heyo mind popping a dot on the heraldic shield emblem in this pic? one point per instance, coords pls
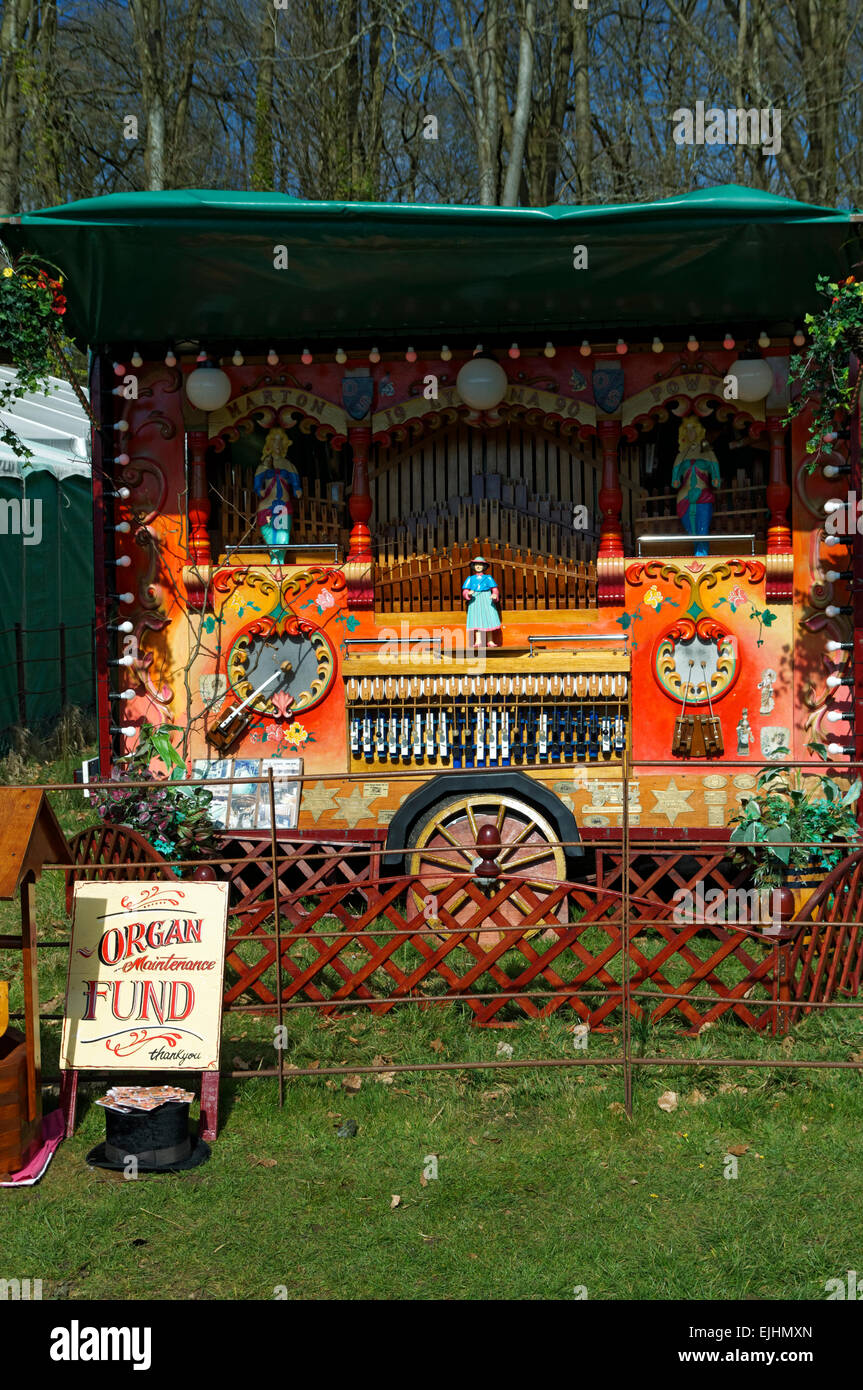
(357, 393)
(607, 382)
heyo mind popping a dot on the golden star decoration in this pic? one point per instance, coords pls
(672, 801)
(353, 808)
(317, 798)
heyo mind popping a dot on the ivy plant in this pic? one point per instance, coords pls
(822, 370)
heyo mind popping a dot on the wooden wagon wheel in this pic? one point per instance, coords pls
(444, 843)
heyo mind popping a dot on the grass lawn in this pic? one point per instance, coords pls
(543, 1185)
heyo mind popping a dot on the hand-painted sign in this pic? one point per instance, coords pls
(145, 977)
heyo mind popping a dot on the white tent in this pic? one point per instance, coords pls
(53, 426)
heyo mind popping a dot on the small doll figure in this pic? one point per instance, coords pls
(695, 475)
(481, 594)
(745, 735)
(277, 483)
(765, 685)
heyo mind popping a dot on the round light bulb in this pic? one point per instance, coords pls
(833, 681)
(837, 748)
(833, 576)
(833, 504)
(692, 343)
(238, 359)
(124, 561)
(445, 354)
(170, 359)
(481, 383)
(123, 527)
(410, 355)
(123, 491)
(621, 348)
(137, 359)
(549, 350)
(836, 716)
(208, 388)
(374, 355)
(122, 459)
(119, 369)
(515, 350)
(306, 357)
(272, 358)
(728, 343)
(127, 626)
(832, 611)
(834, 646)
(799, 338)
(122, 426)
(341, 355)
(763, 340)
(657, 345)
(125, 598)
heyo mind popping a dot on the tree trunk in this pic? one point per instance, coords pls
(522, 107)
(263, 171)
(583, 132)
(16, 14)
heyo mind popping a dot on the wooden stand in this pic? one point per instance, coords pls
(29, 836)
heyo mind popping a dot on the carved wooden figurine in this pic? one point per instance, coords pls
(481, 595)
(277, 483)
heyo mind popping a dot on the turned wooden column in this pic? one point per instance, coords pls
(610, 495)
(359, 559)
(778, 493)
(198, 570)
(609, 568)
(780, 559)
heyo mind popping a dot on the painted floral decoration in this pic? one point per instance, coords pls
(653, 597)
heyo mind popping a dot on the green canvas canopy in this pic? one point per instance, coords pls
(156, 268)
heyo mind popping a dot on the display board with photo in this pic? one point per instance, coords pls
(246, 804)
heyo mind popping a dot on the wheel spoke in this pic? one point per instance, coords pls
(501, 816)
(516, 865)
(443, 861)
(472, 822)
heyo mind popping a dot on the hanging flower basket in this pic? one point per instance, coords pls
(823, 369)
(32, 305)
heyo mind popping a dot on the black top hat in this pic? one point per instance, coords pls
(158, 1140)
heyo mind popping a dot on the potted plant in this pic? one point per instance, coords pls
(174, 818)
(822, 370)
(795, 828)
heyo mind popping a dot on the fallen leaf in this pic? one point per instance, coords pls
(395, 1201)
(352, 1039)
(436, 1045)
(504, 1049)
(352, 1083)
(240, 1064)
(385, 1078)
(737, 1149)
(617, 1107)
(262, 1162)
(696, 1097)
(668, 1102)
(424, 1182)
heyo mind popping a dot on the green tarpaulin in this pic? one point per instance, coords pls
(154, 268)
(43, 585)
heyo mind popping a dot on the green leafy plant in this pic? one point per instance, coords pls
(802, 824)
(31, 308)
(174, 818)
(823, 370)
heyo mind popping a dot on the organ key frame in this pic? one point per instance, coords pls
(516, 711)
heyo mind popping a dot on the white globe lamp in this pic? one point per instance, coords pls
(208, 388)
(754, 378)
(481, 383)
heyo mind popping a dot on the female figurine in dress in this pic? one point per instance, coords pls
(481, 595)
(277, 483)
(696, 473)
